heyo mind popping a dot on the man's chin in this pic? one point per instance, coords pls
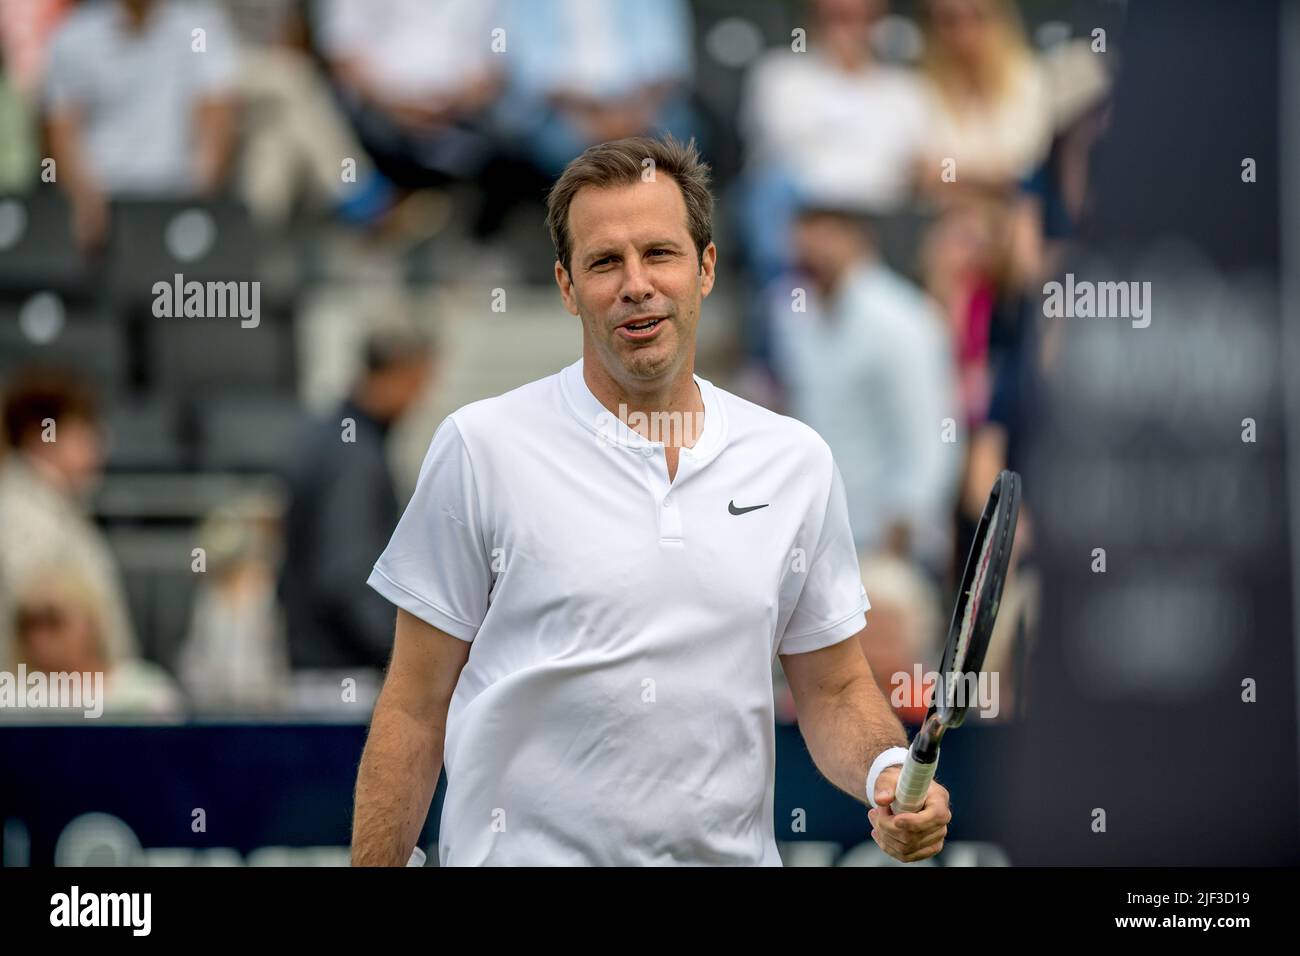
(649, 361)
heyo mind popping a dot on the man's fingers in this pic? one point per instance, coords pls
(908, 843)
(916, 837)
(924, 854)
(906, 825)
(897, 846)
(906, 854)
(918, 822)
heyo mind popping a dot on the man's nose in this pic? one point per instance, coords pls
(636, 284)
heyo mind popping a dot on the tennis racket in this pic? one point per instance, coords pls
(968, 639)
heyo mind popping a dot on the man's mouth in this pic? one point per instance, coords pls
(641, 328)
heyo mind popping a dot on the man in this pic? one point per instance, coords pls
(869, 365)
(583, 73)
(139, 104)
(343, 507)
(624, 591)
(417, 80)
(832, 120)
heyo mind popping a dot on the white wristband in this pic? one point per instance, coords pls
(893, 757)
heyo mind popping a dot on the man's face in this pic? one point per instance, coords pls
(633, 262)
(824, 247)
(402, 386)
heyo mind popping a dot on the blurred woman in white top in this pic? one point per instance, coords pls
(987, 97)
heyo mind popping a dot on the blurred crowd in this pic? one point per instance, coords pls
(894, 182)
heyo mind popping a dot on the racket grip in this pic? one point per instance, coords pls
(913, 782)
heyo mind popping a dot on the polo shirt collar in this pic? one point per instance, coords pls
(603, 423)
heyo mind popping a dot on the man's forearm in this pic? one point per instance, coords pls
(215, 123)
(395, 784)
(64, 133)
(846, 732)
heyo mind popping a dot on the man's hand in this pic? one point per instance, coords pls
(909, 836)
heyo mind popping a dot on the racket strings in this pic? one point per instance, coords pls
(974, 598)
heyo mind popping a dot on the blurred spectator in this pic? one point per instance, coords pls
(1052, 198)
(139, 105)
(989, 108)
(1043, 220)
(831, 122)
(906, 630)
(18, 162)
(417, 79)
(869, 366)
(25, 30)
(590, 71)
(963, 260)
(235, 658)
(343, 508)
(580, 72)
(52, 426)
(295, 138)
(58, 620)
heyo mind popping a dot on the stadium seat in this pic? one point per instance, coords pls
(187, 354)
(153, 240)
(245, 432)
(144, 434)
(50, 331)
(36, 247)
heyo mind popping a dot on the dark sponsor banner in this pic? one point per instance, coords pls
(281, 794)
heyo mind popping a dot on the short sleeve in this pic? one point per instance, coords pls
(216, 66)
(833, 603)
(345, 26)
(436, 565)
(66, 82)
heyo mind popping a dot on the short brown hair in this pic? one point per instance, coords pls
(39, 392)
(619, 163)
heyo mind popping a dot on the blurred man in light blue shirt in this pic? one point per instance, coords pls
(589, 71)
(866, 361)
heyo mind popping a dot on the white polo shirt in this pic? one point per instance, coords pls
(617, 707)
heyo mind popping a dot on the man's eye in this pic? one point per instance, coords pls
(656, 251)
(601, 262)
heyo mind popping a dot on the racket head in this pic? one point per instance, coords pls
(976, 610)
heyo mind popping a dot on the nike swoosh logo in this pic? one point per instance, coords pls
(731, 506)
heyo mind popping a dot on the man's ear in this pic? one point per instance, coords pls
(708, 262)
(565, 282)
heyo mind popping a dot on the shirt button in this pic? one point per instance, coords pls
(668, 502)
(647, 452)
